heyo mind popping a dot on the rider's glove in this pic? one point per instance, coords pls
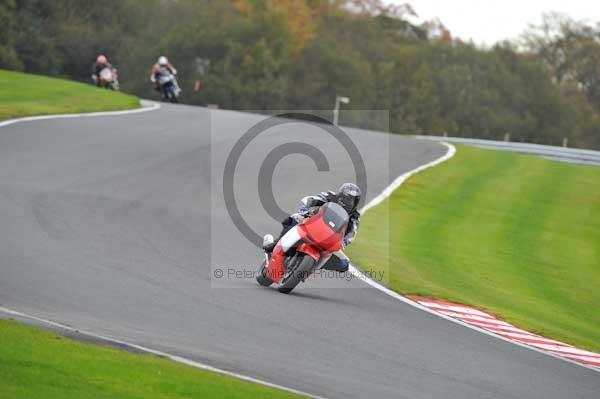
(303, 211)
(346, 242)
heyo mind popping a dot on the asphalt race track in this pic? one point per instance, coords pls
(117, 225)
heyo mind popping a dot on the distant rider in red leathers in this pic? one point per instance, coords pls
(99, 65)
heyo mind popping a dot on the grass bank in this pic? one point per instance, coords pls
(516, 235)
(23, 94)
(35, 363)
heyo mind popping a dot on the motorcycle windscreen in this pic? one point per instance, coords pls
(326, 229)
(335, 216)
(106, 75)
(164, 79)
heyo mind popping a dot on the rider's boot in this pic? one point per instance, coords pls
(336, 264)
(268, 243)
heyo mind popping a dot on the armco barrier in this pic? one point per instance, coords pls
(563, 154)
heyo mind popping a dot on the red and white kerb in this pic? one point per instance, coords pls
(490, 323)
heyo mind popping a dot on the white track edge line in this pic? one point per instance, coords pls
(451, 151)
(155, 352)
(150, 107)
(362, 276)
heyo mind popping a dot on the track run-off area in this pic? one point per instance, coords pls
(116, 225)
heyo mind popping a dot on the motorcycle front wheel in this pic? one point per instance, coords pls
(262, 278)
(299, 268)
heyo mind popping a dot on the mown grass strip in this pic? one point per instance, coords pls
(35, 363)
(514, 234)
(23, 94)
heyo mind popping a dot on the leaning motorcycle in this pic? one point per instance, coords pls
(108, 79)
(308, 245)
(169, 87)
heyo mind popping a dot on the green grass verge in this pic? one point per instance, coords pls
(23, 94)
(516, 235)
(35, 363)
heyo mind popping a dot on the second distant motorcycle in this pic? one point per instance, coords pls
(164, 78)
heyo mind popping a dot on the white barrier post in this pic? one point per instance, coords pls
(336, 108)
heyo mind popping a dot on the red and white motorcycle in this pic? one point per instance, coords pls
(107, 78)
(307, 246)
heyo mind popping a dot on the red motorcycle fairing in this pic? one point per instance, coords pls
(316, 232)
(318, 239)
(309, 250)
(276, 268)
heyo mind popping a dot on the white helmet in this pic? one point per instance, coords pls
(162, 60)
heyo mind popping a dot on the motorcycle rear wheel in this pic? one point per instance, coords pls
(300, 267)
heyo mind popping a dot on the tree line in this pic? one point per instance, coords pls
(298, 54)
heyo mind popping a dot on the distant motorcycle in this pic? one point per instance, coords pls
(107, 78)
(317, 239)
(168, 86)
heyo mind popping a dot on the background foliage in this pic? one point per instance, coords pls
(298, 54)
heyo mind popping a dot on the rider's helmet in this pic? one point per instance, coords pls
(101, 59)
(162, 60)
(348, 196)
